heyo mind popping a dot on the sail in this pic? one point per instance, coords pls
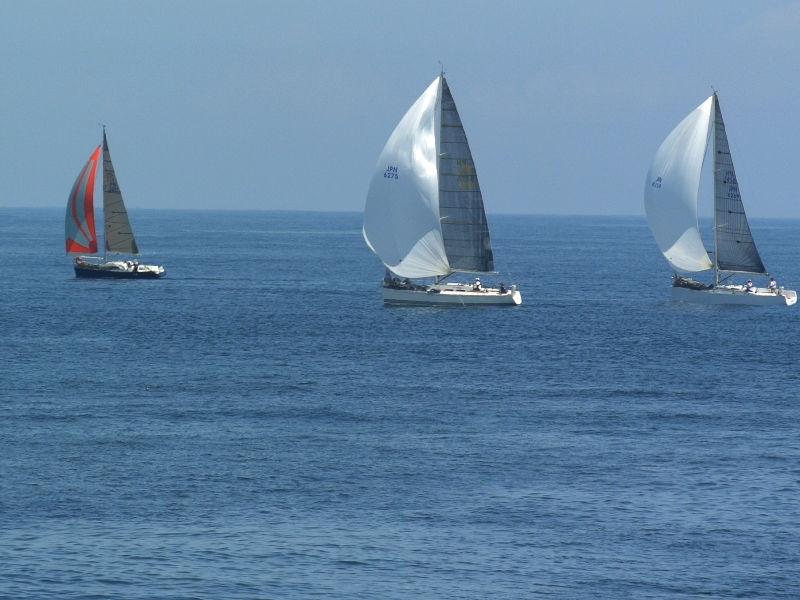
(735, 248)
(118, 233)
(401, 216)
(671, 188)
(463, 221)
(79, 230)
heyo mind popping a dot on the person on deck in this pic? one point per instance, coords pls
(749, 286)
(502, 289)
(477, 286)
(773, 285)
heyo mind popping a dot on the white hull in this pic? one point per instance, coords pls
(120, 269)
(455, 294)
(735, 294)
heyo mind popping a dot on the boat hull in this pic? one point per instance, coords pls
(735, 295)
(116, 270)
(451, 295)
(98, 274)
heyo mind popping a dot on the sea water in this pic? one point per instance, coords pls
(259, 425)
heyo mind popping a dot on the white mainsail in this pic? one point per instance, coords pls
(118, 232)
(401, 216)
(671, 189)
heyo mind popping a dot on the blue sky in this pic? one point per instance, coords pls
(287, 105)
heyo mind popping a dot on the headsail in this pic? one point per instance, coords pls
(463, 220)
(401, 216)
(670, 192)
(118, 232)
(79, 229)
(735, 248)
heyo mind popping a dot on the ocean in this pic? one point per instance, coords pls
(259, 425)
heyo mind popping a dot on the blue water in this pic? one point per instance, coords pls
(259, 425)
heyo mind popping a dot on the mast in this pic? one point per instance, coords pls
(714, 153)
(105, 226)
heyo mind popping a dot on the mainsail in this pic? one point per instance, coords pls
(671, 189)
(424, 214)
(79, 229)
(463, 220)
(734, 245)
(118, 232)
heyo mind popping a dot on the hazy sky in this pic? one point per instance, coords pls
(287, 105)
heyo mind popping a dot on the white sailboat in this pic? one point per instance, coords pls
(424, 214)
(670, 201)
(81, 234)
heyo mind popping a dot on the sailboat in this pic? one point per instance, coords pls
(424, 214)
(80, 233)
(670, 201)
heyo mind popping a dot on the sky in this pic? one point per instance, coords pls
(287, 105)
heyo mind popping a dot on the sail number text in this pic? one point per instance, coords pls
(729, 178)
(391, 173)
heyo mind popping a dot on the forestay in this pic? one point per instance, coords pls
(463, 220)
(401, 216)
(118, 232)
(671, 189)
(79, 228)
(735, 248)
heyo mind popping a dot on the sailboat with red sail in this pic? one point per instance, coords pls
(80, 232)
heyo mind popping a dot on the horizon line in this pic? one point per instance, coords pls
(295, 210)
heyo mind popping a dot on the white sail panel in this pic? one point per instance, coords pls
(684, 253)
(118, 232)
(670, 192)
(401, 216)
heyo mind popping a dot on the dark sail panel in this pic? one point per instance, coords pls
(118, 232)
(735, 248)
(463, 220)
